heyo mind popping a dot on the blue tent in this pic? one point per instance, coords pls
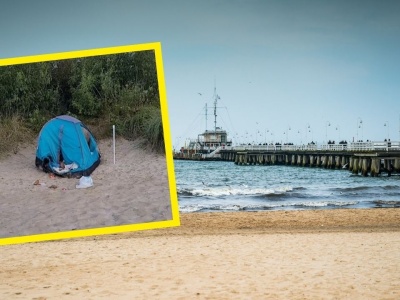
(66, 139)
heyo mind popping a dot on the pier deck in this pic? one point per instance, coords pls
(368, 158)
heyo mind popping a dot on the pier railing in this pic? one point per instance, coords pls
(356, 146)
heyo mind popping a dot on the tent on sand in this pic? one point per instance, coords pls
(66, 147)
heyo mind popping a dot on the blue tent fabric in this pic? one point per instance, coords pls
(63, 138)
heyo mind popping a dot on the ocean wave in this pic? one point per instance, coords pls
(199, 207)
(299, 188)
(292, 195)
(389, 203)
(183, 192)
(257, 207)
(228, 191)
(351, 189)
(326, 203)
(359, 189)
(391, 187)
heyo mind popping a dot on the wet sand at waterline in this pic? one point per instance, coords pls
(321, 254)
(133, 190)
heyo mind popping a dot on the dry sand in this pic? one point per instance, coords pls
(323, 254)
(134, 190)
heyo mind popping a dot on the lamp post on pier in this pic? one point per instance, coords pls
(387, 125)
(287, 134)
(338, 129)
(327, 124)
(299, 133)
(308, 129)
(256, 132)
(237, 140)
(267, 130)
(360, 125)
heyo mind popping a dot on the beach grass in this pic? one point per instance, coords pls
(13, 132)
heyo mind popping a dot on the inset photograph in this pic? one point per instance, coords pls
(84, 141)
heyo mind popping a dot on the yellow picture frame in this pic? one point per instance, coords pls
(175, 221)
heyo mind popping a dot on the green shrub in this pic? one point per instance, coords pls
(37, 119)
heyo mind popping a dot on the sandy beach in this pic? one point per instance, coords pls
(322, 254)
(134, 190)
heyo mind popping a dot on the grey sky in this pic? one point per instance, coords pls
(277, 64)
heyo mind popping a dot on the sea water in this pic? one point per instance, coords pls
(223, 186)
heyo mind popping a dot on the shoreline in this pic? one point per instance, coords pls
(273, 222)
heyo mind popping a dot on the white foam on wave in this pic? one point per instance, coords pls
(237, 207)
(199, 207)
(227, 191)
(322, 203)
(190, 208)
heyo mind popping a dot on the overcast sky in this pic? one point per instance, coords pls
(276, 64)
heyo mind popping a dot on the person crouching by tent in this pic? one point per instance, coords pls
(61, 162)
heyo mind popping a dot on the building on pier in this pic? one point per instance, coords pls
(209, 143)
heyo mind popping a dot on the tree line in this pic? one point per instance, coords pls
(120, 89)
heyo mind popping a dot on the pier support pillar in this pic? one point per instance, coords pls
(388, 166)
(364, 167)
(318, 162)
(293, 159)
(306, 160)
(338, 162)
(375, 167)
(355, 166)
(311, 160)
(324, 161)
(397, 164)
(331, 162)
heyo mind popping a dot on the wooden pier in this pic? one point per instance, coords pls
(367, 162)
(365, 158)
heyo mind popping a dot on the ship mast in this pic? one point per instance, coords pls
(216, 97)
(206, 115)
